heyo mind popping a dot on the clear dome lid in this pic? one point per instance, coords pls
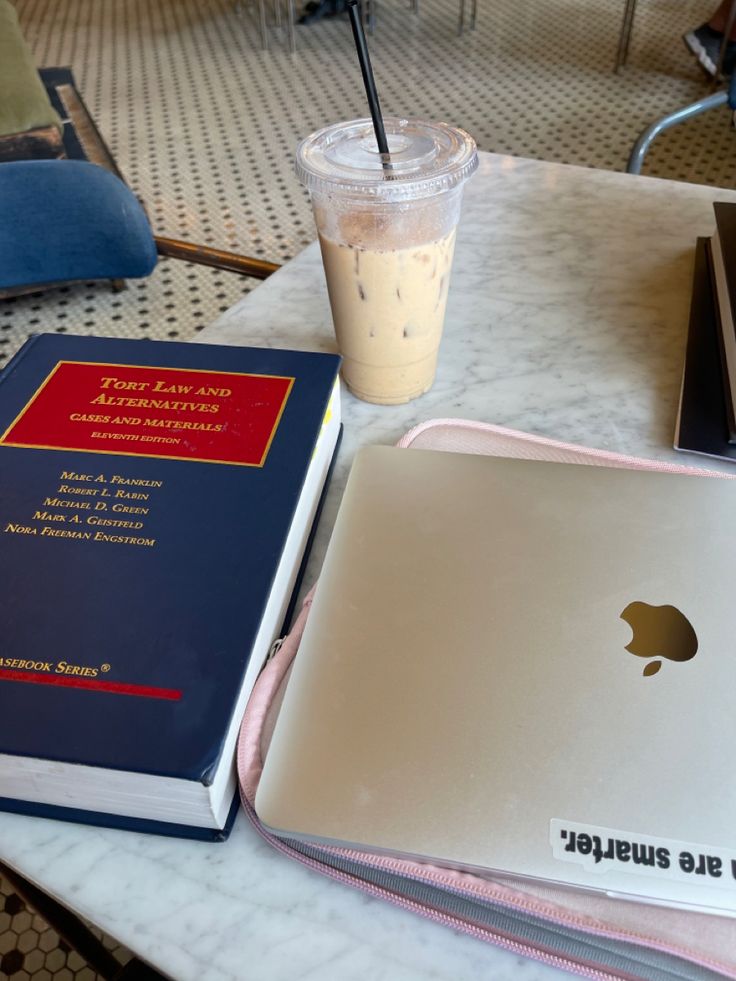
(425, 159)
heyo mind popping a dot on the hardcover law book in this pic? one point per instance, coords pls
(156, 500)
(701, 419)
(722, 256)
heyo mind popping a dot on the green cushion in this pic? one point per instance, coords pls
(24, 104)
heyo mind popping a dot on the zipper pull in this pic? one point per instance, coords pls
(274, 649)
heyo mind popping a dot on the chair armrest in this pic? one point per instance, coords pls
(206, 256)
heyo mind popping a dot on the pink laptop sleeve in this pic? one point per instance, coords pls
(588, 935)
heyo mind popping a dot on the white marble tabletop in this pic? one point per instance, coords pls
(566, 317)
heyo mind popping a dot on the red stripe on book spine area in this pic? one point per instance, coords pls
(112, 687)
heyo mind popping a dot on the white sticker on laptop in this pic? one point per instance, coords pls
(601, 850)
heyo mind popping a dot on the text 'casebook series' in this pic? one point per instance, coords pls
(156, 500)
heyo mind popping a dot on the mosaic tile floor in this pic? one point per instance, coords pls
(203, 123)
(30, 949)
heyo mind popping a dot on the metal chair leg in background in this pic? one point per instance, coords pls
(277, 20)
(461, 16)
(263, 24)
(640, 148)
(624, 38)
(291, 24)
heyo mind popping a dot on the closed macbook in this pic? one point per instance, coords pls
(521, 668)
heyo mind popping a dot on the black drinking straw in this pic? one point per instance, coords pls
(368, 80)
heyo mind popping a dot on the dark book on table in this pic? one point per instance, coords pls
(156, 500)
(702, 425)
(722, 259)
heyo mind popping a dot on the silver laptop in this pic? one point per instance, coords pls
(521, 668)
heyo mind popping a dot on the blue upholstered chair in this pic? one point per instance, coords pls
(68, 220)
(64, 220)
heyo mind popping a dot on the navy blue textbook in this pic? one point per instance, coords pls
(156, 501)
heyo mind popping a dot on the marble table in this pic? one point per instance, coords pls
(566, 317)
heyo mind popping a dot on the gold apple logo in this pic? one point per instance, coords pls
(659, 631)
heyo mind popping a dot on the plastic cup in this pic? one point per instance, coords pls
(387, 235)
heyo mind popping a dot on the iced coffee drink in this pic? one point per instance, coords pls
(388, 307)
(387, 236)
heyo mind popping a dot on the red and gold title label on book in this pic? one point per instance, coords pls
(170, 413)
